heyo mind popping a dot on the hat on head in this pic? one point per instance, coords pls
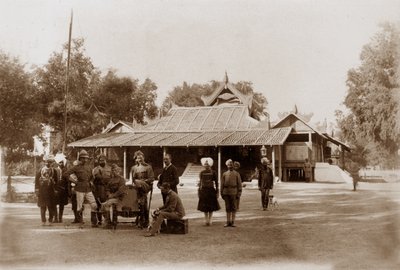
(207, 161)
(60, 157)
(102, 156)
(228, 161)
(83, 154)
(48, 158)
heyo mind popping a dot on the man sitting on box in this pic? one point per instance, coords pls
(171, 210)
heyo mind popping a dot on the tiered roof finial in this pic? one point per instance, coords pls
(295, 111)
(226, 80)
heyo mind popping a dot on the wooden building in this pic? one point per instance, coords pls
(224, 128)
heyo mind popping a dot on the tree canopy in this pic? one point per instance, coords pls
(83, 117)
(371, 123)
(92, 99)
(18, 111)
(123, 98)
(190, 96)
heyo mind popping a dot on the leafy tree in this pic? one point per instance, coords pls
(143, 101)
(122, 98)
(83, 116)
(190, 96)
(371, 124)
(18, 113)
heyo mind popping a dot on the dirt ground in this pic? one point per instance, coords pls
(316, 226)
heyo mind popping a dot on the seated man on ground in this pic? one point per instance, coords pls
(172, 209)
(115, 190)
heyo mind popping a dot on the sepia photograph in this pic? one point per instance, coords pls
(203, 134)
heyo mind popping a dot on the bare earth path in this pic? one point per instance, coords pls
(317, 226)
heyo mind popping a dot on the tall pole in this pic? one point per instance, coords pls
(67, 85)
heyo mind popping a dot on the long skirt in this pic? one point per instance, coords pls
(208, 201)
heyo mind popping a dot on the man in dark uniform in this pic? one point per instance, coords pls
(231, 190)
(101, 174)
(142, 177)
(172, 209)
(45, 180)
(115, 190)
(83, 182)
(169, 175)
(61, 187)
(265, 182)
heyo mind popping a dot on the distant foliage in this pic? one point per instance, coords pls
(83, 116)
(123, 98)
(190, 96)
(371, 126)
(18, 110)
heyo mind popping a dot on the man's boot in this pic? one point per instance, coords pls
(54, 215)
(107, 220)
(80, 216)
(60, 215)
(93, 219)
(99, 217)
(76, 217)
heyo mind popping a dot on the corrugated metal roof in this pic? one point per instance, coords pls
(210, 118)
(275, 136)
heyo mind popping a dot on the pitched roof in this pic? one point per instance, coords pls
(293, 118)
(194, 138)
(244, 99)
(207, 118)
(120, 123)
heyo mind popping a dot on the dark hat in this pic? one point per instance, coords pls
(83, 154)
(102, 156)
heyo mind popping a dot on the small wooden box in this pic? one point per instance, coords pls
(179, 226)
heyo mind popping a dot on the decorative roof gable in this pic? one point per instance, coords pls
(226, 93)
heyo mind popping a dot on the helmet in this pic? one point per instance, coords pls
(83, 154)
(48, 158)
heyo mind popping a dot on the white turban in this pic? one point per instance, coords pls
(59, 157)
(264, 160)
(207, 160)
(228, 161)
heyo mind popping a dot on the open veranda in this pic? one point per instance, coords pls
(314, 226)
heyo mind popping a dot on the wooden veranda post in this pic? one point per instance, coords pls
(125, 162)
(219, 164)
(273, 159)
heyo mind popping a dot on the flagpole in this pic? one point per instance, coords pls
(67, 84)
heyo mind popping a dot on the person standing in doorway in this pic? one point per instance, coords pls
(265, 182)
(231, 190)
(169, 175)
(208, 190)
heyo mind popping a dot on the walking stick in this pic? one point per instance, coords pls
(151, 195)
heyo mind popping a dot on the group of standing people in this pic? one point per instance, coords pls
(103, 186)
(230, 188)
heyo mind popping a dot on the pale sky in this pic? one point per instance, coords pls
(294, 51)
